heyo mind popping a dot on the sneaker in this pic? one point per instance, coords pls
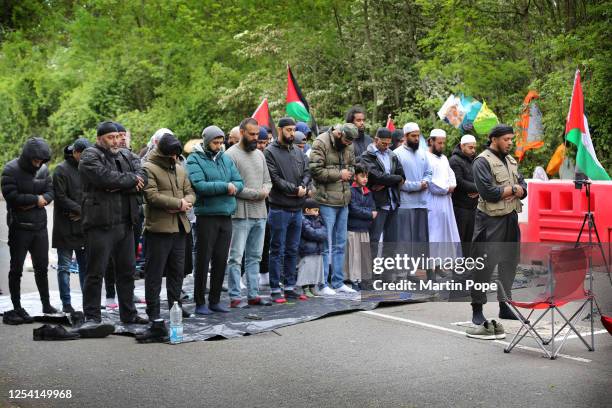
(202, 310)
(156, 333)
(76, 319)
(292, 294)
(277, 297)
(264, 279)
(259, 301)
(498, 328)
(356, 286)
(110, 303)
(238, 304)
(218, 307)
(326, 291)
(12, 317)
(68, 309)
(48, 309)
(47, 332)
(483, 332)
(24, 315)
(224, 288)
(345, 289)
(308, 292)
(93, 329)
(137, 320)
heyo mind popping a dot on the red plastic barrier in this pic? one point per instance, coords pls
(557, 208)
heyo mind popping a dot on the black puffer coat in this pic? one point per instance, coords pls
(109, 187)
(462, 167)
(67, 234)
(314, 234)
(22, 183)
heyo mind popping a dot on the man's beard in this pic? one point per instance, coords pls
(288, 140)
(436, 152)
(413, 145)
(249, 146)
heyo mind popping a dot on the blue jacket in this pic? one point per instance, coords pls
(314, 234)
(360, 210)
(209, 177)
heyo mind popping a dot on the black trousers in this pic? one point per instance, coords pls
(499, 239)
(164, 252)
(214, 234)
(188, 253)
(465, 224)
(37, 244)
(109, 279)
(384, 224)
(102, 245)
(265, 254)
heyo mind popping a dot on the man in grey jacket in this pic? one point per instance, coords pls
(249, 220)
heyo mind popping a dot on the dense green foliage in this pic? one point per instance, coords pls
(65, 65)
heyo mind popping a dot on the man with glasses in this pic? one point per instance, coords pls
(332, 163)
(385, 176)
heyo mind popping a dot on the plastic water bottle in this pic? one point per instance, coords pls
(176, 324)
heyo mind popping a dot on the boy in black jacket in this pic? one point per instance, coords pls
(362, 212)
(314, 234)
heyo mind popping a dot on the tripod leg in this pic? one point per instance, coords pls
(584, 220)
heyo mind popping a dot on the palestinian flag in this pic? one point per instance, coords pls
(390, 125)
(297, 106)
(577, 132)
(263, 116)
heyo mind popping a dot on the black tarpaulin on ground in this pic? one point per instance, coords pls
(236, 323)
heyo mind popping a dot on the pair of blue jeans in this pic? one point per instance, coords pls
(247, 240)
(285, 232)
(336, 219)
(64, 259)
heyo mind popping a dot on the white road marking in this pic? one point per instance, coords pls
(571, 336)
(446, 329)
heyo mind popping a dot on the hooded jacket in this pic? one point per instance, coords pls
(109, 187)
(167, 185)
(288, 167)
(22, 183)
(381, 183)
(462, 166)
(326, 164)
(314, 234)
(210, 175)
(67, 234)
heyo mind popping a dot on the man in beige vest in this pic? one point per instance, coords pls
(501, 188)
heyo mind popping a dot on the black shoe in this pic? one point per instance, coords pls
(93, 329)
(505, 312)
(24, 315)
(77, 319)
(137, 320)
(68, 309)
(186, 314)
(12, 317)
(156, 333)
(477, 317)
(48, 309)
(47, 332)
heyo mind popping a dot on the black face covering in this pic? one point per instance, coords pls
(413, 145)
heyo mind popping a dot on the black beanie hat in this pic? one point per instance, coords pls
(383, 133)
(120, 127)
(106, 127)
(500, 130)
(287, 121)
(169, 145)
(310, 203)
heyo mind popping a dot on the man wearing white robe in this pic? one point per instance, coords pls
(441, 216)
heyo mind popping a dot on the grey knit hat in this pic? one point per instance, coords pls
(210, 133)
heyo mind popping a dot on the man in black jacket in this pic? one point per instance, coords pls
(357, 115)
(28, 189)
(111, 181)
(290, 177)
(465, 196)
(385, 176)
(67, 229)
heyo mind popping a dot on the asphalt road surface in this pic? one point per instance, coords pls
(412, 355)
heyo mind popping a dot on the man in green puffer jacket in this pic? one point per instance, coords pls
(216, 181)
(332, 161)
